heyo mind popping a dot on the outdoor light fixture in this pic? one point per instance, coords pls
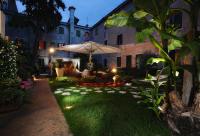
(114, 70)
(68, 107)
(114, 79)
(51, 50)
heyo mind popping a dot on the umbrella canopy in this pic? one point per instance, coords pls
(90, 48)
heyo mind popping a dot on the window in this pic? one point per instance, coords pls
(176, 20)
(41, 62)
(42, 45)
(118, 61)
(105, 42)
(128, 61)
(105, 62)
(86, 36)
(96, 31)
(60, 44)
(138, 61)
(120, 39)
(78, 33)
(61, 30)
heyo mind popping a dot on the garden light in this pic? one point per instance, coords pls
(114, 70)
(116, 78)
(68, 107)
(51, 50)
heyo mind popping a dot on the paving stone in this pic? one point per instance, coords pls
(135, 93)
(137, 96)
(66, 94)
(58, 92)
(67, 90)
(99, 91)
(76, 91)
(89, 90)
(122, 92)
(133, 87)
(111, 92)
(83, 93)
(128, 84)
(73, 87)
(60, 89)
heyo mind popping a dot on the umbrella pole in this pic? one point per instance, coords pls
(90, 57)
(90, 64)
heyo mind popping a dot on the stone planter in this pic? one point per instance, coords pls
(59, 72)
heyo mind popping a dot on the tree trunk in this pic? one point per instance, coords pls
(176, 103)
(35, 48)
(187, 87)
(193, 36)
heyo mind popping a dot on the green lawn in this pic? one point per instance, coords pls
(96, 113)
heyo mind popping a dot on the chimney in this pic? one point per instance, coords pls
(71, 24)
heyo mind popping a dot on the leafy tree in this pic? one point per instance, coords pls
(41, 16)
(150, 19)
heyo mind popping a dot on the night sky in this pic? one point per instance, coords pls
(88, 11)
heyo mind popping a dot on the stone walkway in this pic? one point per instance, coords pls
(41, 117)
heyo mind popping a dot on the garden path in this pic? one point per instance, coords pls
(41, 117)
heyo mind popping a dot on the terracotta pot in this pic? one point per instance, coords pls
(60, 72)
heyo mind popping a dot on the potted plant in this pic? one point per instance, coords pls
(59, 68)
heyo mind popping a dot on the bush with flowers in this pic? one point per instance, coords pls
(11, 92)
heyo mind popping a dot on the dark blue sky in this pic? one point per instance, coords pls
(89, 11)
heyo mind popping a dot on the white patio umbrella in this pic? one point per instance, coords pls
(90, 48)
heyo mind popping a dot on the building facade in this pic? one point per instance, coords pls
(70, 32)
(66, 33)
(9, 10)
(124, 37)
(121, 37)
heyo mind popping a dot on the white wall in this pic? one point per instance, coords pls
(110, 34)
(2, 23)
